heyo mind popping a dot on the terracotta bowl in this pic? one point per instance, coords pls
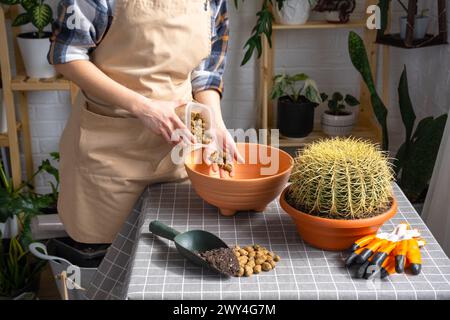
(332, 234)
(256, 183)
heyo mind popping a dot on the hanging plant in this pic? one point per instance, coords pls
(263, 28)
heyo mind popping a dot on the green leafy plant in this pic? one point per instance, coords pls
(263, 28)
(338, 103)
(23, 202)
(384, 11)
(341, 178)
(19, 270)
(358, 56)
(46, 166)
(37, 12)
(296, 87)
(416, 157)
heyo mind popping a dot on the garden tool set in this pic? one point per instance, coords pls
(387, 253)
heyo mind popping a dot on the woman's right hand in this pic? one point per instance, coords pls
(160, 117)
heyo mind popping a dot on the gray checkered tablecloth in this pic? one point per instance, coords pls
(141, 266)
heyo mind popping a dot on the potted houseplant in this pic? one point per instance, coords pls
(341, 190)
(421, 23)
(337, 120)
(336, 11)
(298, 97)
(34, 45)
(19, 270)
(293, 11)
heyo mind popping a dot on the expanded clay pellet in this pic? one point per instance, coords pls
(255, 259)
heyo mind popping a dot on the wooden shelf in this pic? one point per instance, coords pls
(4, 139)
(365, 126)
(21, 85)
(4, 142)
(317, 134)
(24, 83)
(321, 25)
(396, 41)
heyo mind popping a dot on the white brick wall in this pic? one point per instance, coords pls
(320, 53)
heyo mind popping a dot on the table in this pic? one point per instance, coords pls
(141, 266)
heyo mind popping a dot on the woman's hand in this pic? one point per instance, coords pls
(222, 141)
(160, 117)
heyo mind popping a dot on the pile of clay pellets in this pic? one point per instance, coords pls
(255, 259)
(198, 128)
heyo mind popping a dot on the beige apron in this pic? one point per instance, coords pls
(107, 156)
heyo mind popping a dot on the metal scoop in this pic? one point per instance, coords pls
(190, 243)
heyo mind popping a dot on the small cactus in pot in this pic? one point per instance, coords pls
(341, 188)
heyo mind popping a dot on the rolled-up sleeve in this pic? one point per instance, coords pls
(78, 29)
(209, 74)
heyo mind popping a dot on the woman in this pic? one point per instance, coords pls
(135, 61)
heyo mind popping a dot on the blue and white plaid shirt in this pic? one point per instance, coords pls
(69, 44)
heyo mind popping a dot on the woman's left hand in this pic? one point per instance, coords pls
(222, 141)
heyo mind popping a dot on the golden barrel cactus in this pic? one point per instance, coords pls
(341, 178)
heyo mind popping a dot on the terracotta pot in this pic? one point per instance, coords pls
(333, 234)
(251, 188)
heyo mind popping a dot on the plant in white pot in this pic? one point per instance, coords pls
(338, 120)
(34, 45)
(421, 23)
(293, 11)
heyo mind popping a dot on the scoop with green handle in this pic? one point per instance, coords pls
(190, 243)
